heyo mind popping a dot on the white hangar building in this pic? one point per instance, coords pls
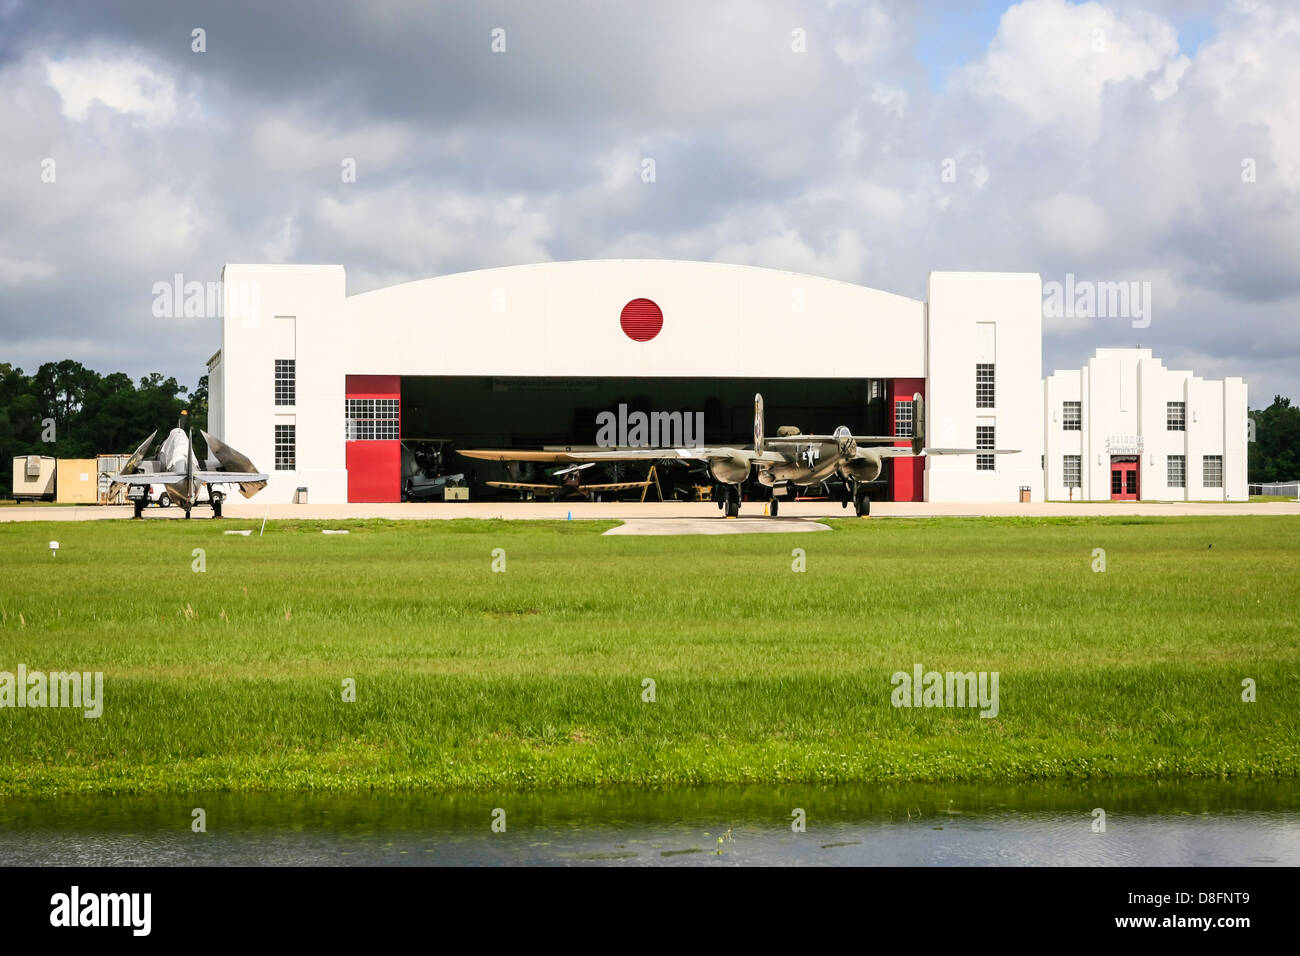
(321, 389)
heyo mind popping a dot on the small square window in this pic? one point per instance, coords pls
(1176, 416)
(1072, 416)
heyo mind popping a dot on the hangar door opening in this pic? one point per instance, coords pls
(440, 414)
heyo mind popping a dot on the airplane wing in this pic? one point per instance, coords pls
(134, 461)
(896, 452)
(627, 454)
(615, 486)
(528, 486)
(859, 438)
(553, 457)
(167, 477)
(149, 478)
(229, 477)
(235, 468)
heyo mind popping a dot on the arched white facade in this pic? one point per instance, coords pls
(562, 320)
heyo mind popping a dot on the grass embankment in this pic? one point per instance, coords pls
(465, 678)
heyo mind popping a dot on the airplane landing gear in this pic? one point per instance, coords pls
(186, 506)
(774, 506)
(731, 501)
(861, 504)
(217, 499)
(139, 507)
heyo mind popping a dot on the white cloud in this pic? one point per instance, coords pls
(1053, 60)
(1250, 71)
(431, 230)
(122, 84)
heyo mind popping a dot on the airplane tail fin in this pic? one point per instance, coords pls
(228, 459)
(758, 423)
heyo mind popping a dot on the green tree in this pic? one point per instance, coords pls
(92, 414)
(1274, 455)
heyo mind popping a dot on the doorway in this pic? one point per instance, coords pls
(1124, 482)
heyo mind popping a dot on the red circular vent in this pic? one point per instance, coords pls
(641, 320)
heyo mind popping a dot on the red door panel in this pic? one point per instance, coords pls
(374, 469)
(1124, 482)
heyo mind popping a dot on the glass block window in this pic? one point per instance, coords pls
(1073, 471)
(984, 385)
(284, 381)
(903, 420)
(984, 439)
(1072, 416)
(1212, 471)
(285, 447)
(1176, 416)
(373, 419)
(1176, 471)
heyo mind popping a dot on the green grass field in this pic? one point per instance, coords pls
(533, 678)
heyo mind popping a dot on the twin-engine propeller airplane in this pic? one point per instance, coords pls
(176, 466)
(790, 461)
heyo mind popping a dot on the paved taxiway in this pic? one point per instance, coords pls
(673, 517)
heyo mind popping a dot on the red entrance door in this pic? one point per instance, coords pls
(1124, 480)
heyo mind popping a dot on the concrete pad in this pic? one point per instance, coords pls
(630, 510)
(741, 525)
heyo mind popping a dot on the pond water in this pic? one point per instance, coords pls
(1240, 823)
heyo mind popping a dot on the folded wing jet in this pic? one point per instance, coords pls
(177, 467)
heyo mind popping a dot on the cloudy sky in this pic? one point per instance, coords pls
(1152, 141)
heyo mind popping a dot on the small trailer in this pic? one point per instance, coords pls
(34, 478)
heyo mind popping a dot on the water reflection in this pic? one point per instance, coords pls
(1225, 824)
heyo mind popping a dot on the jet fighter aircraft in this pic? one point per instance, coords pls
(176, 466)
(790, 461)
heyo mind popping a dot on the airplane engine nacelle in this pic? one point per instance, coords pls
(861, 469)
(730, 471)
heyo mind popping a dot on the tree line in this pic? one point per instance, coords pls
(65, 410)
(1274, 455)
